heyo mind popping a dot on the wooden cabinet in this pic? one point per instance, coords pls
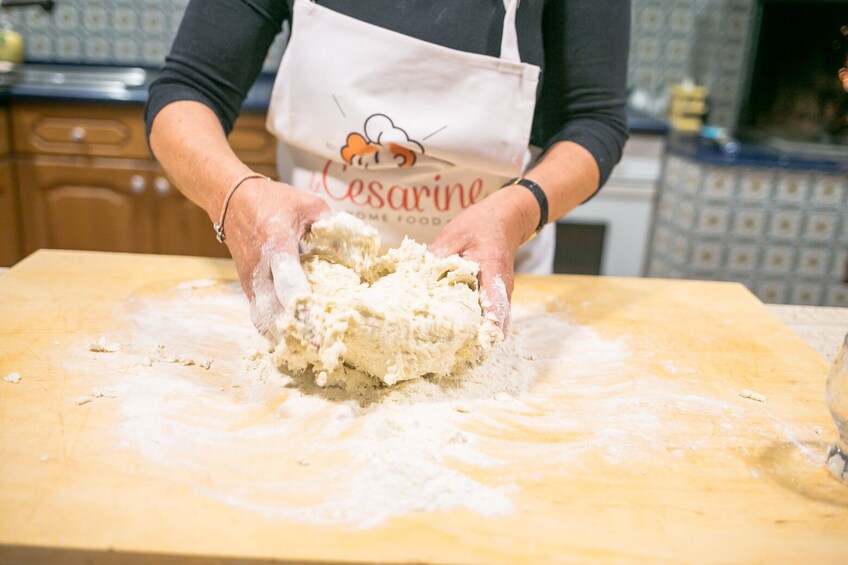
(10, 248)
(87, 180)
(106, 130)
(5, 133)
(10, 240)
(184, 228)
(77, 203)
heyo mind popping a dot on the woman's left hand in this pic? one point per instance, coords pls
(489, 233)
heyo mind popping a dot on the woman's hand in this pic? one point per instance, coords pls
(265, 222)
(489, 233)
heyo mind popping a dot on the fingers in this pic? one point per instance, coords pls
(289, 278)
(496, 295)
(449, 243)
(265, 307)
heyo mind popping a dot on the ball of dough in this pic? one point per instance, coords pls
(403, 315)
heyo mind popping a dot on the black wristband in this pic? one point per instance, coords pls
(540, 198)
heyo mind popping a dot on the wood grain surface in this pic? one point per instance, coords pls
(714, 478)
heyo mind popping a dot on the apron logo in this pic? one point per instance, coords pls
(384, 145)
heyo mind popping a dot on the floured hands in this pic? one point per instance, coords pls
(489, 233)
(264, 224)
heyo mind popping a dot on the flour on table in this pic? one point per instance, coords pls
(400, 316)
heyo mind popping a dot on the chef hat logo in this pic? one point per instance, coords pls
(381, 130)
(381, 133)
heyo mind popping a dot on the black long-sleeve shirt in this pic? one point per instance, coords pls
(581, 46)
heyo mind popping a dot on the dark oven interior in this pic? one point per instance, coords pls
(798, 77)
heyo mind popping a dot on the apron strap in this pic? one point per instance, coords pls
(509, 38)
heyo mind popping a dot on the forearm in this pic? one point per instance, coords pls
(567, 173)
(188, 141)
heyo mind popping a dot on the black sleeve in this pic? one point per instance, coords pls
(584, 84)
(216, 56)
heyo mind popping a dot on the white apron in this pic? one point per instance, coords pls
(400, 132)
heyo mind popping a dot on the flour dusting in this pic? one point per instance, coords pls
(554, 393)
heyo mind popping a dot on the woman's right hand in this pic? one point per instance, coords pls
(265, 222)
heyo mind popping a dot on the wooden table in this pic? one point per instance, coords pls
(683, 468)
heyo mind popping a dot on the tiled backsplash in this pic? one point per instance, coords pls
(781, 233)
(703, 39)
(123, 32)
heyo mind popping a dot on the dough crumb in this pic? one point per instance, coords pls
(756, 396)
(303, 462)
(13, 378)
(462, 409)
(459, 437)
(147, 362)
(103, 346)
(103, 393)
(44, 458)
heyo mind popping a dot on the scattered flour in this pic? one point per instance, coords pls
(359, 456)
(195, 284)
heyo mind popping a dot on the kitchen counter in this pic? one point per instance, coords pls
(80, 83)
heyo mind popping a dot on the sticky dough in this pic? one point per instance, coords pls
(403, 315)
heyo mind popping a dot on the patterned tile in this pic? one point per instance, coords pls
(755, 185)
(785, 224)
(743, 258)
(772, 292)
(838, 296)
(713, 220)
(707, 256)
(829, 191)
(778, 260)
(749, 223)
(821, 226)
(813, 263)
(719, 184)
(792, 189)
(809, 294)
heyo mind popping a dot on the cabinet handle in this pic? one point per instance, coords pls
(138, 184)
(78, 134)
(162, 186)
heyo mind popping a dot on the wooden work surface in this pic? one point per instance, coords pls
(719, 478)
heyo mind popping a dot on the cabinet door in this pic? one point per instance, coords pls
(89, 204)
(10, 244)
(252, 142)
(96, 130)
(5, 132)
(183, 227)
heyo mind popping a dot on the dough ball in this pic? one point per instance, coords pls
(403, 315)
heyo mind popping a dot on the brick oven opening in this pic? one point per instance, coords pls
(797, 88)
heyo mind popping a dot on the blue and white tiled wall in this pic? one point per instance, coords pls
(122, 32)
(782, 234)
(672, 39)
